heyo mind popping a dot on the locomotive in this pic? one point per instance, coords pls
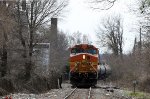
(84, 61)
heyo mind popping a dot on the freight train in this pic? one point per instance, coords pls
(84, 60)
(85, 66)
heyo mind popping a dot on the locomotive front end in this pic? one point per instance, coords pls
(83, 65)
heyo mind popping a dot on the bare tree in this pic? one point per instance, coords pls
(102, 4)
(144, 7)
(110, 35)
(61, 52)
(36, 13)
(59, 57)
(75, 38)
(78, 38)
(6, 25)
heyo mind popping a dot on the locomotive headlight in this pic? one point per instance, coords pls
(83, 56)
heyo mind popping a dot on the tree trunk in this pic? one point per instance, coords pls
(20, 24)
(31, 27)
(28, 69)
(29, 64)
(121, 50)
(4, 61)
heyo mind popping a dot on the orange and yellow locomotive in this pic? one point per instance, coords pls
(84, 60)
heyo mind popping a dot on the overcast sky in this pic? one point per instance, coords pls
(85, 20)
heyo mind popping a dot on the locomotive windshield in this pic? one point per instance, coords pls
(91, 51)
(77, 50)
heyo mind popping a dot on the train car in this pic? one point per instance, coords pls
(84, 60)
(104, 70)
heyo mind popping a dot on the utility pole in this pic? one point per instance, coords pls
(140, 43)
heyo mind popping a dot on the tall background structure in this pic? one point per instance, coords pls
(53, 41)
(53, 34)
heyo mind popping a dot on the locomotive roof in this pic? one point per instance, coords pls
(84, 46)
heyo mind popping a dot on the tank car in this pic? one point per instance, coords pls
(104, 70)
(84, 62)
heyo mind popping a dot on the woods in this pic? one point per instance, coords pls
(132, 66)
(34, 50)
(20, 36)
(110, 35)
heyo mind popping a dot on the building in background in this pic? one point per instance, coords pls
(41, 57)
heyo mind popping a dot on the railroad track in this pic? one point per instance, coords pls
(74, 90)
(66, 97)
(89, 95)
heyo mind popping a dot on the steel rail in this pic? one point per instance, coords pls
(66, 97)
(89, 95)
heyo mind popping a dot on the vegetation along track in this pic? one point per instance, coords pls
(80, 93)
